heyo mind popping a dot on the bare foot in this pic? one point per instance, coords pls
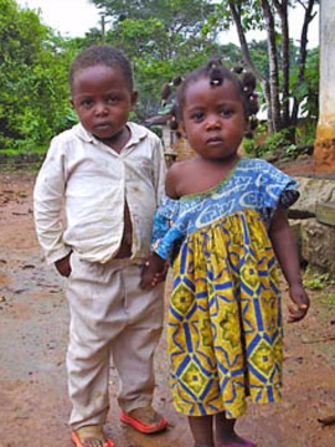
(226, 435)
(235, 441)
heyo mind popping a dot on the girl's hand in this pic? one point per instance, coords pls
(154, 272)
(301, 303)
(63, 266)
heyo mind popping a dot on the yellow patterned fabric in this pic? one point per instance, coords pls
(224, 321)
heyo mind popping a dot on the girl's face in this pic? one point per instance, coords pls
(103, 100)
(213, 119)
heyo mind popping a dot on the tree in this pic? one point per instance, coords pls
(162, 38)
(33, 78)
(277, 84)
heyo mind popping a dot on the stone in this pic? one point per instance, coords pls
(312, 191)
(318, 244)
(325, 213)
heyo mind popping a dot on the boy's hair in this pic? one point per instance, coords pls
(102, 55)
(217, 73)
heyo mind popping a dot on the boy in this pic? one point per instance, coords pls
(94, 201)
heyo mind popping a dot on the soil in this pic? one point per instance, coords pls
(34, 407)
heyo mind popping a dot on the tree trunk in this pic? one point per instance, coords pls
(309, 16)
(236, 14)
(273, 65)
(282, 9)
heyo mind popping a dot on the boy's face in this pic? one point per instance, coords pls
(103, 100)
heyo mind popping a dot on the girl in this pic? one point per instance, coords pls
(224, 225)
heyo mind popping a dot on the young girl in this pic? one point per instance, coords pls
(224, 226)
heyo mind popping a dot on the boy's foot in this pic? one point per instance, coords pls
(91, 436)
(145, 420)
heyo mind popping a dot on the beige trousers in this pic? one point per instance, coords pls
(111, 318)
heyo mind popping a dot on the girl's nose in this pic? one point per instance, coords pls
(213, 122)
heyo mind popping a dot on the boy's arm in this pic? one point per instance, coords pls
(159, 170)
(48, 205)
(286, 252)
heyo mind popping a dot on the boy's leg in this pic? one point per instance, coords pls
(97, 317)
(133, 350)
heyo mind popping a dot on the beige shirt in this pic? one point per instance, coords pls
(81, 189)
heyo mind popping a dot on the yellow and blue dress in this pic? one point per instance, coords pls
(224, 320)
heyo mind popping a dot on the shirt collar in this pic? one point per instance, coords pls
(137, 133)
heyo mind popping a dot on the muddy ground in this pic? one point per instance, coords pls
(33, 332)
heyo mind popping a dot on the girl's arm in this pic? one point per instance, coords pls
(286, 252)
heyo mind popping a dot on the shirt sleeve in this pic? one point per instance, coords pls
(276, 189)
(48, 204)
(159, 170)
(166, 236)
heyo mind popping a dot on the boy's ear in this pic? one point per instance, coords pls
(134, 97)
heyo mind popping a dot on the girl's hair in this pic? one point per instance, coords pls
(102, 55)
(217, 73)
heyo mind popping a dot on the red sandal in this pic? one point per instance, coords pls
(88, 432)
(145, 420)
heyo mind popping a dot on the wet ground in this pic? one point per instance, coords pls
(33, 332)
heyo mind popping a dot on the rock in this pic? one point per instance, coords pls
(312, 191)
(318, 244)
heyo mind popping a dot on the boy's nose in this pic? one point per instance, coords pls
(101, 109)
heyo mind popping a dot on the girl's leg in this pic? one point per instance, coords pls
(202, 430)
(225, 434)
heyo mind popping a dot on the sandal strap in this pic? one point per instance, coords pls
(90, 431)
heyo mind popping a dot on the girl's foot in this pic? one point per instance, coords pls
(236, 441)
(225, 434)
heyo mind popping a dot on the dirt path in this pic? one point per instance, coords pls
(33, 333)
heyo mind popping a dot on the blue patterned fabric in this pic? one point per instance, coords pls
(253, 184)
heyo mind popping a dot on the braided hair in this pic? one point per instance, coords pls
(217, 74)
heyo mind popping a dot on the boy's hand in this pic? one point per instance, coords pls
(301, 303)
(63, 265)
(154, 272)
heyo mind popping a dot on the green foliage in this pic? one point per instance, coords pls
(316, 280)
(249, 146)
(163, 38)
(277, 140)
(33, 78)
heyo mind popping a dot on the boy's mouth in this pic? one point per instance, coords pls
(102, 126)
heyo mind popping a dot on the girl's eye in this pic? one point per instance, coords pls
(197, 116)
(227, 113)
(112, 99)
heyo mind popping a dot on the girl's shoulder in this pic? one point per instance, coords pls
(176, 173)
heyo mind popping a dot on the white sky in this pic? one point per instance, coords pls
(74, 17)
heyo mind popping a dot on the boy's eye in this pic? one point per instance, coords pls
(86, 103)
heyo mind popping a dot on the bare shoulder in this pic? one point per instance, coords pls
(175, 176)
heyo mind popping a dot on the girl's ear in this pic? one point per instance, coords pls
(182, 129)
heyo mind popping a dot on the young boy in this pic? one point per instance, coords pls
(94, 201)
